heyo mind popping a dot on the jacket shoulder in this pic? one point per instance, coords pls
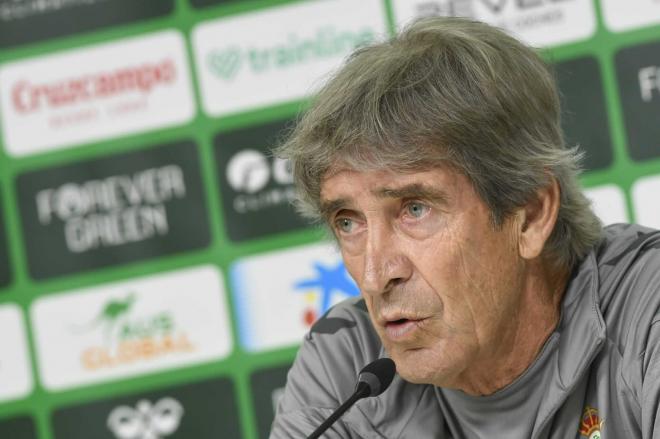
(629, 293)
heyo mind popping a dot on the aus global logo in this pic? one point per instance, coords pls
(126, 337)
(330, 284)
(133, 327)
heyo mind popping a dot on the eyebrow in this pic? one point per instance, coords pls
(327, 208)
(413, 190)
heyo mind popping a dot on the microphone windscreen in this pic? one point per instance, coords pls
(378, 375)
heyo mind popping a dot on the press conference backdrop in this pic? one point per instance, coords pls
(154, 280)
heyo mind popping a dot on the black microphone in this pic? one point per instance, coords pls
(373, 379)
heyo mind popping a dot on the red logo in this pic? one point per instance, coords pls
(591, 424)
(28, 97)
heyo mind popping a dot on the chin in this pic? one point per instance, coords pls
(422, 366)
(417, 375)
(414, 369)
(415, 378)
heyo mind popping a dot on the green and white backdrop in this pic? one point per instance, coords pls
(154, 281)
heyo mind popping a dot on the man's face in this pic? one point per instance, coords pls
(441, 283)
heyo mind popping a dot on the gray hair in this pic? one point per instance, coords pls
(448, 91)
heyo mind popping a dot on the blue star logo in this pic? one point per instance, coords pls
(329, 280)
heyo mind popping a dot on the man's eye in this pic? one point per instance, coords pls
(416, 210)
(345, 225)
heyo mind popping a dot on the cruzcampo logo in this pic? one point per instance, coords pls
(294, 50)
(129, 337)
(591, 424)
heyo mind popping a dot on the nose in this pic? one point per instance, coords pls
(385, 263)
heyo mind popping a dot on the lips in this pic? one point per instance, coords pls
(400, 329)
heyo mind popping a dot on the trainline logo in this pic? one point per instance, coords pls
(296, 47)
(131, 328)
(225, 63)
(328, 42)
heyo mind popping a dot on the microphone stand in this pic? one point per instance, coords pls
(361, 391)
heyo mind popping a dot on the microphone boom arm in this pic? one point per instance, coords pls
(361, 391)
(373, 379)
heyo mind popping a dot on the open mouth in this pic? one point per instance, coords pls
(401, 328)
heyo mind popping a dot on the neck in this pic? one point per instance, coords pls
(523, 336)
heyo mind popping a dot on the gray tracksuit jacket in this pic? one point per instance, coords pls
(597, 376)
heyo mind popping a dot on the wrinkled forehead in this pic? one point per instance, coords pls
(370, 161)
(342, 182)
(399, 158)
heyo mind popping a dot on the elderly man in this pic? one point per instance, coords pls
(438, 162)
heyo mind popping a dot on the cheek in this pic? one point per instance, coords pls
(354, 265)
(442, 266)
(464, 284)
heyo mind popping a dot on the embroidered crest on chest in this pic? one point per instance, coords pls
(591, 424)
